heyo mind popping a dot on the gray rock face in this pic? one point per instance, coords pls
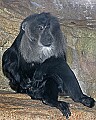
(78, 22)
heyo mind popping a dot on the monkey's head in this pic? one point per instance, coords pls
(42, 38)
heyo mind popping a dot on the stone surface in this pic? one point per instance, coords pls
(21, 107)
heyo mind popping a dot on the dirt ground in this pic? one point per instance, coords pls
(21, 107)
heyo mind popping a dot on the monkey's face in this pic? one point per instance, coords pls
(41, 32)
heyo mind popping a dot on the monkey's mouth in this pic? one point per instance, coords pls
(46, 51)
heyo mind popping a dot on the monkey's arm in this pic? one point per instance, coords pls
(10, 67)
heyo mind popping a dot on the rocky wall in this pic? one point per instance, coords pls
(78, 22)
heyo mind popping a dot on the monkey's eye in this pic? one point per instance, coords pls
(41, 27)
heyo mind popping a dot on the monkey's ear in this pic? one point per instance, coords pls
(24, 24)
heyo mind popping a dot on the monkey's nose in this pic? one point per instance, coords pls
(46, 42)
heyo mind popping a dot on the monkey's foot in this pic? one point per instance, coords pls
(62, 106)
(88, 101)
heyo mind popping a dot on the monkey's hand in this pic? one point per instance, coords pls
(40, 73)
(43, 69)
(38, 77)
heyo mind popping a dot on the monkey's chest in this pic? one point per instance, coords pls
(28, 69)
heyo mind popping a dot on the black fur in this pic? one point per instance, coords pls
(36, 64)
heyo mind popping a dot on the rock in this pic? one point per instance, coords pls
(20, 107)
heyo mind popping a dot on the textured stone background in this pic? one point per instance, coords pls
(78, 22)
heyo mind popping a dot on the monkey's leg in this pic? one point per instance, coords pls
(50, 97)
(71, 84)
